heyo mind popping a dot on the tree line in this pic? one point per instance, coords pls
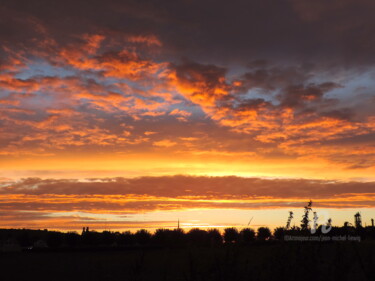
(32, 239)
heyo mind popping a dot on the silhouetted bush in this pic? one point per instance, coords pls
(54, 239)
(25, 239)
(279, 233)
(107, 238)
(72, 239)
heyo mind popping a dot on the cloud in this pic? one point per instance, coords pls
(258, 78)
(202, 84)
(165, 143)
(294, 95)
(71, 203)
(148, 40)
(262, 29)
(117, 202)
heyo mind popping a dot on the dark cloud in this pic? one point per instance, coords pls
(192, 73)
(296, 95)
(213, 30)
(343, 114)
(204, 187)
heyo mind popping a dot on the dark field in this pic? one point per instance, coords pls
(259, 261)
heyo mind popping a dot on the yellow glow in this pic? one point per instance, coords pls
(134, 165)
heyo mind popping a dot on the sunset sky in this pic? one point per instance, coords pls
(133, 114)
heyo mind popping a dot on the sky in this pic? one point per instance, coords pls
(133, 114)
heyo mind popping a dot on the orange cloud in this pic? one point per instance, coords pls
(118, 64)
(148, 40)
(33, 201)
(164, 143)
(202, 84)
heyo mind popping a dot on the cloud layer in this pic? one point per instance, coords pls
(111, 80)
(52, 200)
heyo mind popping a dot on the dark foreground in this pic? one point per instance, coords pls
(259, 261)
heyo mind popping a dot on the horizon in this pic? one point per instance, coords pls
(118, 210)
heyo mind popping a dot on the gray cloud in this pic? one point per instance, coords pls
(176, 186)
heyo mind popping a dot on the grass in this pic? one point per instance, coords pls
(260, 261)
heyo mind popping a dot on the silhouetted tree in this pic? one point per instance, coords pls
(305, 218)
(162, 236)
(107, 238)
(215, 237)
(142, 237)
(358, 220)
(126, 238)
(289, 220)
(54, 239)
(327, 227)
(72, 239)
(167, 237)
(178, 237)
(315, 223)
(247, 235)
(263, 233)
(278, 233)
(25, 239)
(231, 235)
(197, 237)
